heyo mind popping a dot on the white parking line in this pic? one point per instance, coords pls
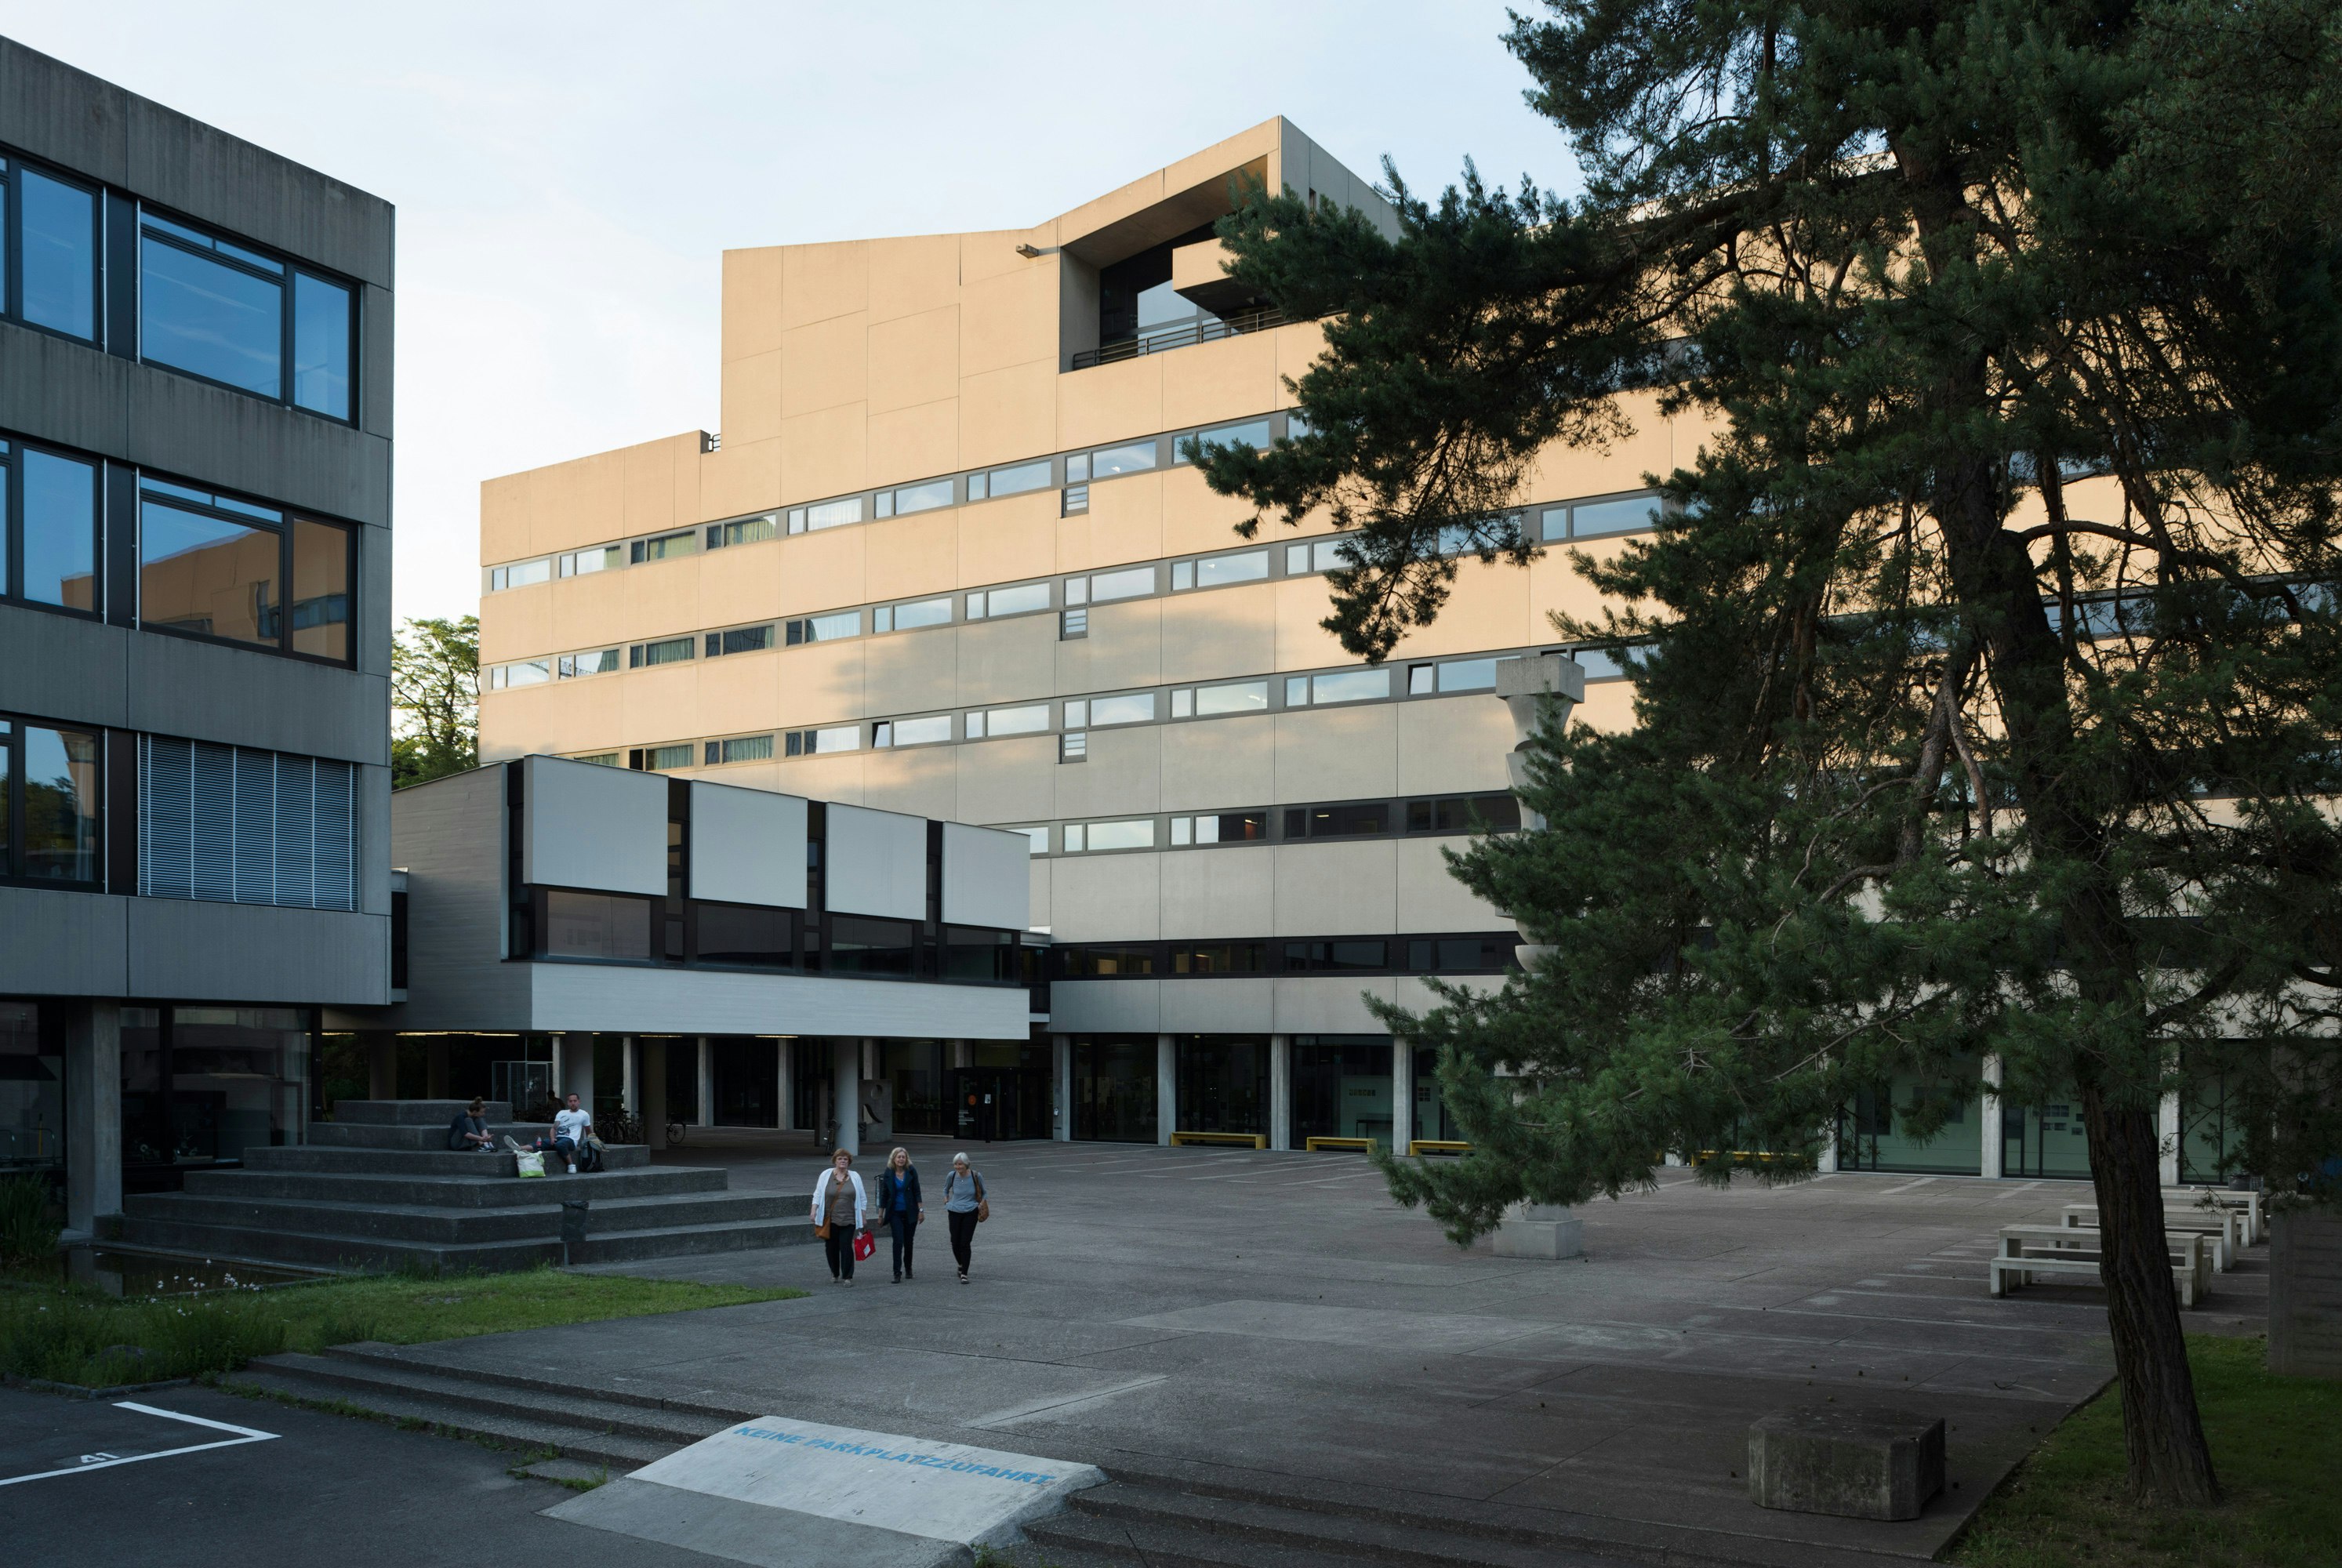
(106, 1462)
(1907, 1186)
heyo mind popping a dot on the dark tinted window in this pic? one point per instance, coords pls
(60, 529)
(974, 953)
(604, 925)
(1464, 813)
(738, 933)
(1100, 961)
(861, 946)
(1459, 954)
(58, 235)
(1219, 958)
(1350, 954)
(1344, 821)
(210, 307)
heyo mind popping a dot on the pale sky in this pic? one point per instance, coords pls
(567, 176)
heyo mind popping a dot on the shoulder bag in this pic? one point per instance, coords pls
(983, 1204)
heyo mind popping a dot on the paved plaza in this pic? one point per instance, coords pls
(1276, 1320)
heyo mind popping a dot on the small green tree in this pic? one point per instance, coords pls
(434, 689)
(1931, 760)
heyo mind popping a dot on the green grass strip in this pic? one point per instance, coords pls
(2276, 1443)
(96, 1340)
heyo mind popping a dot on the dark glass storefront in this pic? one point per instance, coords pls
(32, 1088)
(1341, 1088)
(1223, 1083)
(1003, 1094)
(2045, 1140)
(1431, 1118)
(1874, 1133)
(1113, 1090)
(913, 1071)
(748, 1074)
(202, 1084)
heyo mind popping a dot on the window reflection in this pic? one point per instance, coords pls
(207, 574)
(211, 308)
(321, 589)
(321, 346)
(60, 802)
(59, 264)
(60, 530)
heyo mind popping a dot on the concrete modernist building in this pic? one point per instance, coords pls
(195, 649)
(732, 951)
(947, 558)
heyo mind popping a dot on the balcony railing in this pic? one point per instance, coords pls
(1207, 329)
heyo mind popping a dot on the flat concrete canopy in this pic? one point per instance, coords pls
(1272, 1322)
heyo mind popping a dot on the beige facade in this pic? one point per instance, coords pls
(945, 559)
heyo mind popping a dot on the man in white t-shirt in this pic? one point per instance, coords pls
(570, 1126)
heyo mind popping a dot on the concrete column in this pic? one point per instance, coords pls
(1994, 1149)
(1061, 1076)
(706, 1081)
(92, 1114)
(652, 1081)
(963, 1054)
(1829, 1160)
(1167, 1088)
(784, 1085)
(434, 1067)
(630, 1074)
(846, 1093)
(381, 1047)
(1401, 1095)
(2167, 1120)
(1280, 1091)
(575, 1057)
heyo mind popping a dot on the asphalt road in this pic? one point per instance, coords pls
(87, 1482)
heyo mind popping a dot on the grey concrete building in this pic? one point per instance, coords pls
(194, 631)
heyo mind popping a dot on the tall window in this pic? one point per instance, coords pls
(48, 528)
(210, 565)
(49, 251)
(236, 826)
(243, 319)
(49, 795)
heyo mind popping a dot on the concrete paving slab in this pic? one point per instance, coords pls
(786, 1494)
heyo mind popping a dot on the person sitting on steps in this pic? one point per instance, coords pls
(573, 1127)
(468, 1131)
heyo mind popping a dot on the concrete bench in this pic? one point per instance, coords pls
(2009, 1274)
(1418, 1147)
(1357, 1146)
(2248, 1204)
(2190, 1250)
(1236, 1140)
(2225, 1226)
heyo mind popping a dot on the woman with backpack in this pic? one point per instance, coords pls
(899, 1204)
(965, 1207)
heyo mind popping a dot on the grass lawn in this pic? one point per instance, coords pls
(82, 1337)
(2276, 1441)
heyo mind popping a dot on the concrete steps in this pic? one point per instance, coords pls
(385, 1193)
(363, 1136)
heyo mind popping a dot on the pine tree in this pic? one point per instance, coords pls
(1987, 683)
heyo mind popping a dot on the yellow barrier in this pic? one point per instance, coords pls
(1359, 1145)
(1436, 1147)
(1240, 1139)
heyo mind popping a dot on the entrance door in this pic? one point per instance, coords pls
(998, 1104)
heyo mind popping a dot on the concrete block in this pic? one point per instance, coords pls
(1541, 1230)
(1862, 1464)
(2305, 1318)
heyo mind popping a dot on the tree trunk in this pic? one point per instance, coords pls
(2163, 1434)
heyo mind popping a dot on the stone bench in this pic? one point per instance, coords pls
(2189, 1250)
(2083, 1271)
(1239, 1139)
(1358, 1145)
(1862, 1463)
(2248, 1204)
(2225, 1227)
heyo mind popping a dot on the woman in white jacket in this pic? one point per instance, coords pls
(839, 1212)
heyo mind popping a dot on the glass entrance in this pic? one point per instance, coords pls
(998, 1104)
(1341, 1088)
(1874, 1133)
(1113, 1090)
(748, 1074)
(1223, 1085)
(2045, 1140)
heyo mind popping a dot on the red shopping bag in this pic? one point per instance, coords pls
(865, 1247)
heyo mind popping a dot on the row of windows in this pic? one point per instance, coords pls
(205, 305)
(1071, 596)
(209, 564)
(1075, 469)
(625, 928)
(1480, 952)
(1486, 813)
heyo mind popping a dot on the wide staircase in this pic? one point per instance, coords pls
(377, 1189)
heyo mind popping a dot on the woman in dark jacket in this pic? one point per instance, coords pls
(899, 1201)
(468, 1131)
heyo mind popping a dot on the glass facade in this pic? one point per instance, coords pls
(32, 1089)
(1113, 1090)
(2045, 1140)
(2211, 1135)
(1341, 1088)
(1873, 1131)
(1223, 1083)
(913, 1071)
(202, 1084)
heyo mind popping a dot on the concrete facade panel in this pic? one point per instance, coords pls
(1455, 746)
(745, 476)
(594, 827)
(1220, 765)
(1336, 889)
(1122, 777)
(985, 878)
(1338, 754)
(1011, 660)
(66, 667)
(1107, 1006)
(1108, 897)
(1428, 896)
(1007, 781)
(876, 863)
(178, 686)
(1007, 414)
(1219, 635)
(187, 950)
(748, 847)
(922, 782)
(917, 443)
(593, 996)
(63, 943)
(1221, 892)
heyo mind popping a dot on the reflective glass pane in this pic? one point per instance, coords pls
(60, 261)
(207, 574)
(924, 497)
(60, 529)
(827, 628)
(1019, 479)
(61, 804)
(1018, 721)
(1122, 834)
(1614, 516)
(1554, 524)
(922, 731)
(1020, 600)
(922, 613)
(596, 925)
(1134, 458)
(321, 590)
(840, 738)
(198, 314)
(1138, 708)
(833, 513)
(1249, 567)
(1237, 697)
(1468, 675)
(1353, 687)
(1125, 584)
(321, 346)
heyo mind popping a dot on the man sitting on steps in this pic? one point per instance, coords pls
(572, 1129)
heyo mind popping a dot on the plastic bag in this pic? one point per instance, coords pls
(865, 1247)
(531, 1163)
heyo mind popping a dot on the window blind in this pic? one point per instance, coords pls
(237, 825)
